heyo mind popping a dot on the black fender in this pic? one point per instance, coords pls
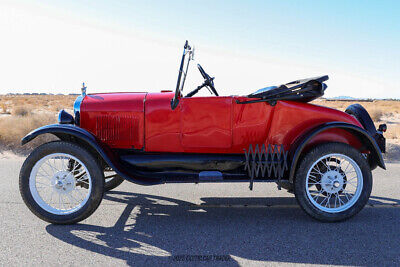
(70, 132)
(361, 114)
(361, 134)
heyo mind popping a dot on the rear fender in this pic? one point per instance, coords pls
(78, 135)
(362, 135)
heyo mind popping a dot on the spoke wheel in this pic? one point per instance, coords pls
(61, 182)
(333, 182)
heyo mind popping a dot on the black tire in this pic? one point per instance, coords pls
(96, 175)
(112, 183)
(301, 175)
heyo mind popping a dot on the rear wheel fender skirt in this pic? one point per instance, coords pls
(66, 131)
(362, 135)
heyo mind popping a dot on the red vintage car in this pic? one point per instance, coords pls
(322, 155)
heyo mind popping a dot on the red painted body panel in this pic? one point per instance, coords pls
(251, 124)
(162, 127)
(204, 124)
(293, 119)
(117, 120)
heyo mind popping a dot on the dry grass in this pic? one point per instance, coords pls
(393, 132)
(27, 114)
(21, 111)
(37, 102)
(380, 106)
(376, 114)
(13, 128)
(4, 108)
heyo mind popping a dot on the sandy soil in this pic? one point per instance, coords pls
(392, 150)
(10, 155)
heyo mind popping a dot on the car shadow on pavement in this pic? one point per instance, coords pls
(160, 230)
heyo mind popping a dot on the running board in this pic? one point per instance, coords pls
(259, 163)
(208, 176)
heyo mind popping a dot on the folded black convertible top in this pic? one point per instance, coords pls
(304, 90)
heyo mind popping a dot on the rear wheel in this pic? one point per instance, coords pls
(333, 182)
(61, 183)
(112, 180)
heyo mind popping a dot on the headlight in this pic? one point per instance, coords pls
(77, 109)
(65, 118)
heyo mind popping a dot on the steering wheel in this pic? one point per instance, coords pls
(209, 81)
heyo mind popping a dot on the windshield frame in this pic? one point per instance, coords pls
(187, 50)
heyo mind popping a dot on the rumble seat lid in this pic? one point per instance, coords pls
(303, 90)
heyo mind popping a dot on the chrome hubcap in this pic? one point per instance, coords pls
(332, 182)
(63, 182)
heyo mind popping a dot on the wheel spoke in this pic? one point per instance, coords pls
(355, 186)
(319, 170)
(336, 198)
(326, 165)
(339, 166)
(51, 167)
(340, 200)
(51, 196)
(319, 194)
(327, 201)
(59, 201)
(315, 181)
(46, 173)
(71, 198)
(44, 184)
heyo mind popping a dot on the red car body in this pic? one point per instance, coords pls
(146, 122)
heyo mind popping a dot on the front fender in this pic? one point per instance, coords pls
(60, 130)
(66, 131)
(360, 133)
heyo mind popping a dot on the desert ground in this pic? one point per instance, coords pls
(19, 114)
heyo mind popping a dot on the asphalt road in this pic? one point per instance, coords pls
(214, 224)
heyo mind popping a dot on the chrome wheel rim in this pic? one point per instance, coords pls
(60, 183)
(334, 183)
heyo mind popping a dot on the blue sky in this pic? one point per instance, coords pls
(244, 44)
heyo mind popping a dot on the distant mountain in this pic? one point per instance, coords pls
(343, 98)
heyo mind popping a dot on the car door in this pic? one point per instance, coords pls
(206, 122)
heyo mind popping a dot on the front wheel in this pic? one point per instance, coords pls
(333, 182)
(61, 183)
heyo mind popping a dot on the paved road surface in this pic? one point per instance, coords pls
(211, 223)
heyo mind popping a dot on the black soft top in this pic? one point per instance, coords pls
(304, 90)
